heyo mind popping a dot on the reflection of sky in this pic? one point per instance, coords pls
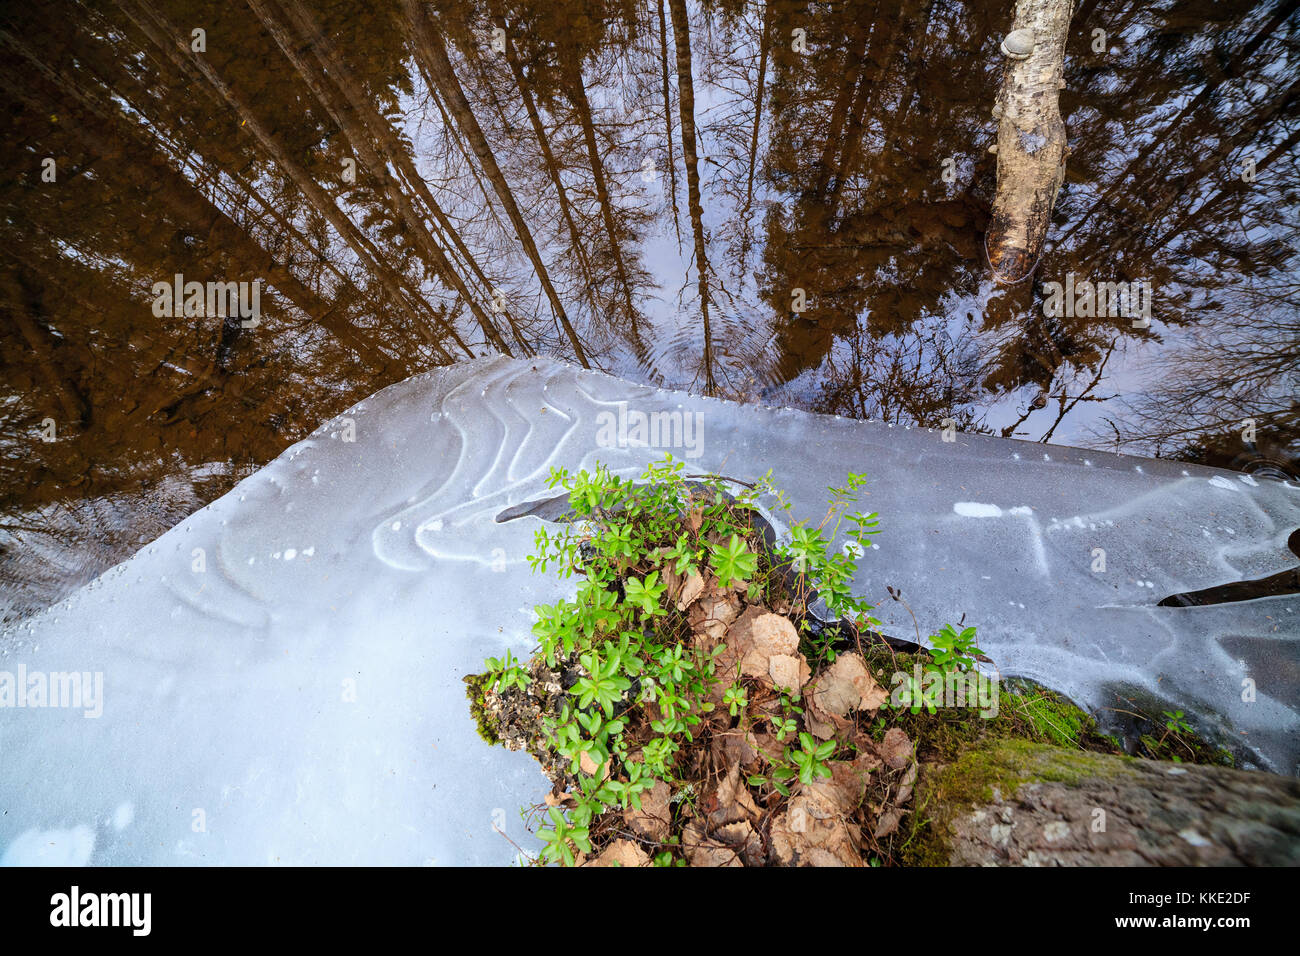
(743, 324)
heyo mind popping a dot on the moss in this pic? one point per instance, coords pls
(475, 687)
(1055, 718)
(994, 770)
(1025, 711)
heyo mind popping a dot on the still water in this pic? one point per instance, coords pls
(778, 202)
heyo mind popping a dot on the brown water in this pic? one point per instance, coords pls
(414, 188)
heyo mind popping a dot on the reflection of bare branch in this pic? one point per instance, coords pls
(1085, 395)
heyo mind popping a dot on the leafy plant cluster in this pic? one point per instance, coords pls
(950, 650)
(630, 645)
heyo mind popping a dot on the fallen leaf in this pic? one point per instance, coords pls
(847, 685)
(768, 747)
(754, 639)
(734, 746)
(798, 837)
(789, 673)
(694, 519)
(733, 800)
(906, 786)
(843, 790)
(621, 853)
(895, 749)
(652, 821)
(743, 838)
(590, 767)
(888, 823)
(701, 851)
(692, 588)
(711, 614)
(818, 723)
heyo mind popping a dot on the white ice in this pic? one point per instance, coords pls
(310, 710)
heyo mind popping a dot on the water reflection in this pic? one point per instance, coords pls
(778, 202)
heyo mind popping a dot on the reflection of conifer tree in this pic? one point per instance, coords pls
(686, 103)
(668, 118)
(429, 48)
(166, 37)
(372, 124)
(524, 85)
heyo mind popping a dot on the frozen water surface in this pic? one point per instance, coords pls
(299, 700)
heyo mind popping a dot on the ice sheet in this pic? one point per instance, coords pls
(299, 699)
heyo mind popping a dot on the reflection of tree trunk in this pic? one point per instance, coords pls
(169, 40)
(153, 175)
(1031, 141)
(336, 67)
(686, 102)
(759, 90)
(839, 110)
(578, 96)
(897, 119)
(344, 115)
(430, 50)
(857, 127)
(857, 117)
(43, 344)
(668, 121)
(548, 158)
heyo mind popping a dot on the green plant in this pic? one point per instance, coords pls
(915, 696)
(951, 650)
(734, 561)
(560, 839)
(604, 683)
(735, 699)
(507, 672)
(808, 554)
(1174, 724)
(811, 758)
(631, 648)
